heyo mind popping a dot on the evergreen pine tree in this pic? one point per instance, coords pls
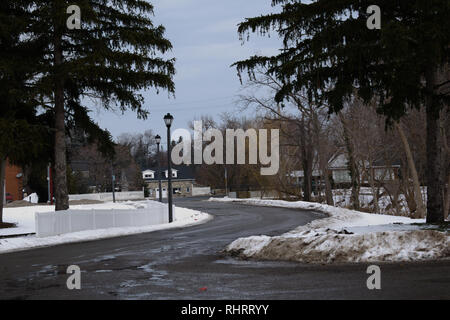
(24, 134)
(330, 53)
(114, 56)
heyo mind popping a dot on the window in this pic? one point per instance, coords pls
(340, 176)
(384, 174)
(149, 175)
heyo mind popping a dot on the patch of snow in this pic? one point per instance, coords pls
(345, 236)
(250, 245)
(24, 216)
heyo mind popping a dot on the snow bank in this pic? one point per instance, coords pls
(25, 217)
(345, 236)
(331, 246)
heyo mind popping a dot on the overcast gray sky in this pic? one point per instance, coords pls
(206, 43)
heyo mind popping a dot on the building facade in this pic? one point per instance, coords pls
(340, 174)
(14, 181)
(183, 181)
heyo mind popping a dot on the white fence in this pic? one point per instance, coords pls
(201, 191)
(61, 222)
(255, 194)
(120, 196)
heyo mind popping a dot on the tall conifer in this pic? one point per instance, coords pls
(329, 52)
(115, 55)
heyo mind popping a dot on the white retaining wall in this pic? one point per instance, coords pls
(120, 196)
(61, 222)
(201, 191)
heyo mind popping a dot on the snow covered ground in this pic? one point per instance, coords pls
(345, 236)
(24, 217)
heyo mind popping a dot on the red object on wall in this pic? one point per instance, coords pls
(14, 181)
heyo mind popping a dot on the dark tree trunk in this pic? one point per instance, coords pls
(352, 166)
(420, 208)
(328, 189)
(2, 186)
(307, 162)
(60, 181)
(354, 173)
(323, 160)
(445, 159)
(447, 199)
(435, 202)
(307, 183)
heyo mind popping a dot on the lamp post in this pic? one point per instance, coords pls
(158, 142)
(168, 119)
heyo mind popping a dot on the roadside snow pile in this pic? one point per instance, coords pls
(345, 236)
(25, 217)
(327, 246)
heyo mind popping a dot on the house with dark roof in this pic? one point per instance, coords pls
(380, 170)
(340, 174)
(183, 182)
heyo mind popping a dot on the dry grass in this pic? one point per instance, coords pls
(19, 203)
(23, 203)
(78, 202)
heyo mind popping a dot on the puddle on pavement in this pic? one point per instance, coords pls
(255, 264)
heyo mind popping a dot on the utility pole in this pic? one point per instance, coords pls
(48, 185)
(158, 142)
(226, 181)
(113, 177)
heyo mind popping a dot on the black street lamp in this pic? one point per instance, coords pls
(158, 142)
(168, 119)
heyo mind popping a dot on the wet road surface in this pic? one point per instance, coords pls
(189, 264)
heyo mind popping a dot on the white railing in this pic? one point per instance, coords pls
(120, 196)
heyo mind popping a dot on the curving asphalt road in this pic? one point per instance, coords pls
(188, 264)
